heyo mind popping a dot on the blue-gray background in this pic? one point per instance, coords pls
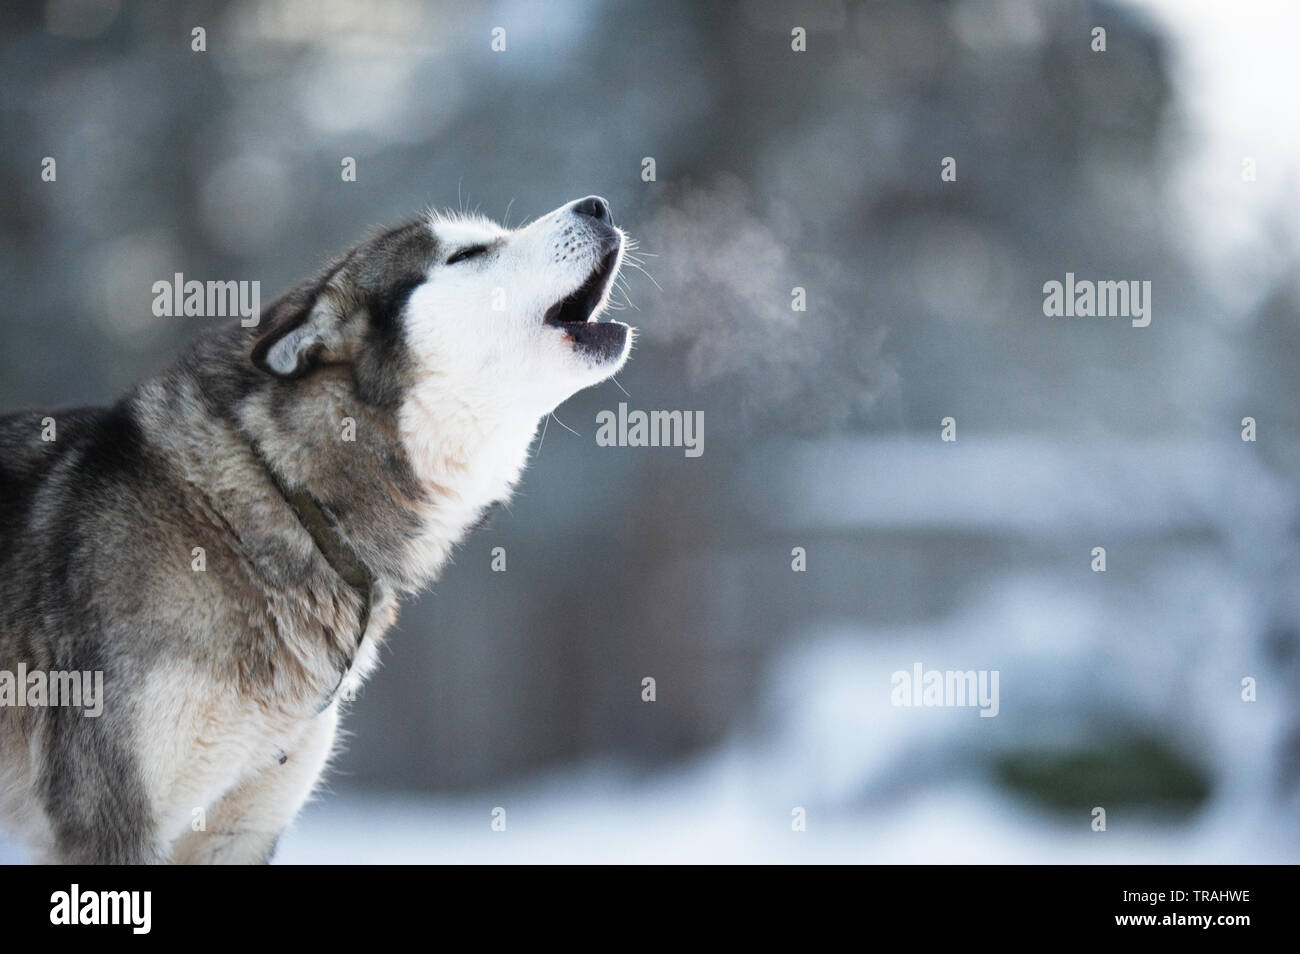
(775, 169)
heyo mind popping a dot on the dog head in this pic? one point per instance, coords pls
(462, 310)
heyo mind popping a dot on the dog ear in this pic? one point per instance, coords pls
(303, 329)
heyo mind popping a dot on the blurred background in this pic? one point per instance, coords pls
(773, 169)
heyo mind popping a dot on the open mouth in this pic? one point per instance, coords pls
(577, 308)
(600, 341)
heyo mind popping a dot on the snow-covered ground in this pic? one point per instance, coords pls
(709, 814)
(878, 783)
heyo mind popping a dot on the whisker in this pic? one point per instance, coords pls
(647, 275)
(545, 425)
(565, 426)
(627, 297)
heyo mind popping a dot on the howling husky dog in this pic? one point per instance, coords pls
(325, 462)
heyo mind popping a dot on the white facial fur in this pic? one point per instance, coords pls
(477, 324)
(488, 369)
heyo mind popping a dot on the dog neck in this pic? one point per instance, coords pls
(331, 543)
(397, 490)
(468, 457)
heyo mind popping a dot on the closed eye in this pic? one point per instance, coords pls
(468, 252)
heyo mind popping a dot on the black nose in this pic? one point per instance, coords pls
(594, 206)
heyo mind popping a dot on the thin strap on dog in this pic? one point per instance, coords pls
(338, 553)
